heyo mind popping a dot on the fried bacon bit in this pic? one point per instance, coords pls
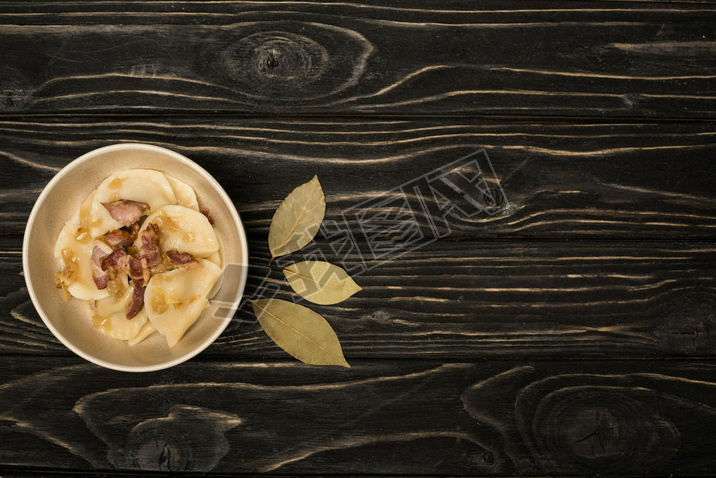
(121, 238)
(121, 262)
(208, 216)
(138, 270)
(150, 246)
(137, 299)
(99, 276)
(181, 260)
(126, 211)
(114, 260)
(93, 304)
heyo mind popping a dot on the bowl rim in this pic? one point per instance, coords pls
(243, 244)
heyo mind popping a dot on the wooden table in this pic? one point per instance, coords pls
(570, 332)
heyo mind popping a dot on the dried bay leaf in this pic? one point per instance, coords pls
(297, 219)
(320, 282)
(299, 331)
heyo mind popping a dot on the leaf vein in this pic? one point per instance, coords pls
(298, 219)
(345, 286)
(301, 334)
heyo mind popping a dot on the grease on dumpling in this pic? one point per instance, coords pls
(175, 299)
(110, 317)
(82, 216)
(73, 249)
(141, 185)
(182, 229)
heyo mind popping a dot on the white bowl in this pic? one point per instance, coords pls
(69, 320)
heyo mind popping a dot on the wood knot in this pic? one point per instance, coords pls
(602, 430)
(299, 62)
(268, 61)
(188, 439)
(593, 423)
(379, 315)
(160, 446)
(276, 61)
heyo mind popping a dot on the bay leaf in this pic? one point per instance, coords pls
(320, 282)
(299, 331)
(297, 219)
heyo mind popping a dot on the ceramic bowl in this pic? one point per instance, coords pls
(69, 320)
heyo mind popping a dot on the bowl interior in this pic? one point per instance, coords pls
(70, 320)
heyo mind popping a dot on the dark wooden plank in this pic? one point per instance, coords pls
(470, 299)
(410, 417)
(561, 180)
(552, 58)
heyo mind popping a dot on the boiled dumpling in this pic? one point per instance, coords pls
(175, 299)
(78, 252)
(182, 229)
(146, 330)
(82, 216)
(110, 317)
(215, 258)
(184, 193)
(142, 185)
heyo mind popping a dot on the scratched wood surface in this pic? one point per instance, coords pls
(472, 300)
(548, 58)
(560, 179)
(567, 332)
(408, 417)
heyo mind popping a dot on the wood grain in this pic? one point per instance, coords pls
(489, 418)
(560, 180)
(560, 323)
(549, 58)
(471, 299)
